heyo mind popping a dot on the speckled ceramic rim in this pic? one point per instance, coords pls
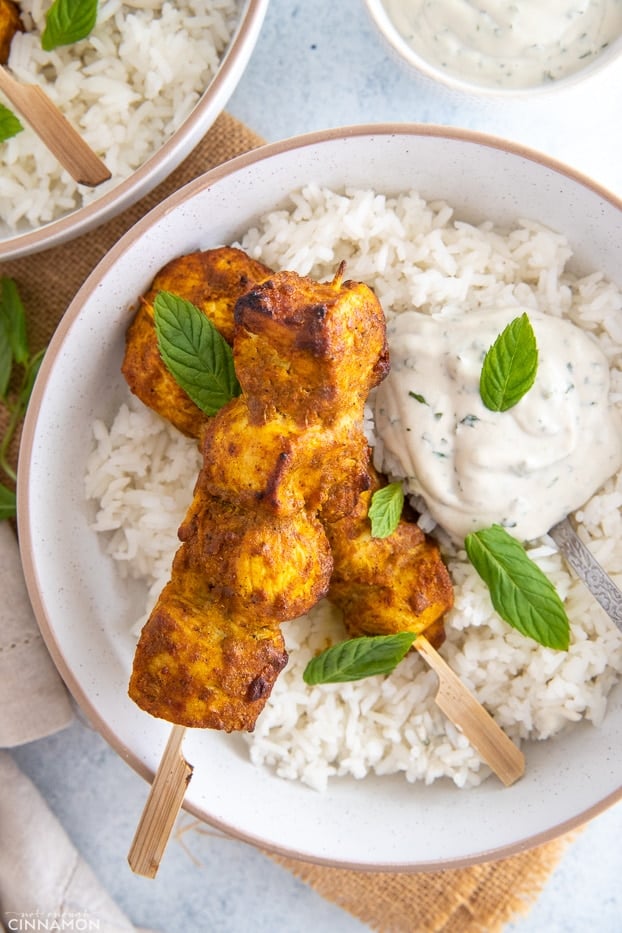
(85, 702)
(404, 53)
(165, 160)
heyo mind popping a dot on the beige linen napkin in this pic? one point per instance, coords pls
(33, 699)
(42, 876)
(43, 879)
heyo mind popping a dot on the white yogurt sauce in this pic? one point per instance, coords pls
(525, 468)
(496, 42)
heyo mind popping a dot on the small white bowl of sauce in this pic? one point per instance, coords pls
(500, 46)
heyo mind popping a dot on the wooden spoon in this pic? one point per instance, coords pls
(55, 130)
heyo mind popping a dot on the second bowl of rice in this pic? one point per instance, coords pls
(141, 88)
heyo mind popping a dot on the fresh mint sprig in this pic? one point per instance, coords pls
(385, 510)
(14, 352)
(357, 658)
(520, 592)
(510, 366)
(68, 21)
(195, 353)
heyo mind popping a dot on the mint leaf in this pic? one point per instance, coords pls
(13, 314)
(510, 365)
(68, 21)
(8, 503)
(357, 658)
(520, 592)
(385, 510)
(195, 353)
(9, 124)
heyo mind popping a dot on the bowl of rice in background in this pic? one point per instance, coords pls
(367, 774)
(142, 89)
(501, 50)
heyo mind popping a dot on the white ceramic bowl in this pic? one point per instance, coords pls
(113, 200)
(84, 609)
(394, 35)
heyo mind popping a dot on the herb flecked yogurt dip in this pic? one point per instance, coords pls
(525, 468)
(514, 45)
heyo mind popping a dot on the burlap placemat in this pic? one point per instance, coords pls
(480, 899)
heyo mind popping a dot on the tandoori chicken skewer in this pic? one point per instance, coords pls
(417, 598)
(279, 458)
(289, 459)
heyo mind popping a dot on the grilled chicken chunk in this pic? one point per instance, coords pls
(277, 463)
(295, 353)
(387, 585)
(212, 648)
(212, 280)
(279, 458)
(10, 23)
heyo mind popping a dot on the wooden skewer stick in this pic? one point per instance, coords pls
(163, 804)
(461, 708)
(55, 130)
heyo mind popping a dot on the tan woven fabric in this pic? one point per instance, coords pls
(471, 900)
(479, 899)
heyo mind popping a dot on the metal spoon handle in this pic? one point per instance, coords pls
(585, 565)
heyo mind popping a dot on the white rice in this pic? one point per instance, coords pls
(412, 253)
(126, 88)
